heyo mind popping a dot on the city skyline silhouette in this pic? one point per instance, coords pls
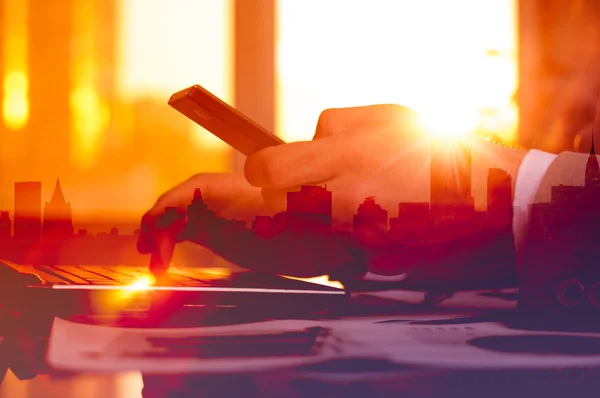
(440, 231)
(57, 213)
(561, 245)
(56, 238)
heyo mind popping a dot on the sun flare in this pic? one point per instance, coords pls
(453, 62)
(143, 283)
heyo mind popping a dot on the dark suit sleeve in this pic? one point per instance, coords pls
(554, 246)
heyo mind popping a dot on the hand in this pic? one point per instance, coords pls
(229, 195)
(357, 152)
(378, 151)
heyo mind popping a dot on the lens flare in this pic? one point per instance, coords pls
(143, 283)
(448, 124)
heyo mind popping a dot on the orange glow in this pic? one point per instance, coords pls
(167, 46)
(143, 283)
(15, 106)
(445, 124)
(454, 62)
(210, 272)
(130, 296)
(15, 100)
(319, 280)
(89, 115)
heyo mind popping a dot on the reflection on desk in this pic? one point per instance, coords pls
(124, 385)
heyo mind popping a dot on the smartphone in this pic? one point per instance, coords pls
(227, 123)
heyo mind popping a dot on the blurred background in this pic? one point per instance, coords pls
(85, 83)
(84, 86)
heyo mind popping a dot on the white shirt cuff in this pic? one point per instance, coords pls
(531, 172)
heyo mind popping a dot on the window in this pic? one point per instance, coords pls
(453, 61)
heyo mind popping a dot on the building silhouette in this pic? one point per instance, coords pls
(28, 210)
(5, 225)
(58, 219)
(450, 215)
(499, 198)
(263, 226)
(280, 221)
(562, 252)
(268, 227)
(450, 181)
(310, 209)
(573, 213)
(370, 223)
(197, 212)
(413, 220)
(592, 169)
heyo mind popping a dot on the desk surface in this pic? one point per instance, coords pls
(349, 377)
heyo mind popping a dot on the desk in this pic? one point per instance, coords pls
(345, 378)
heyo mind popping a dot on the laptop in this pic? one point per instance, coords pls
(128, 292)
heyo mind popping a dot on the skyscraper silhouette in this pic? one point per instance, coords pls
(198, 213)
(5, 225)
(370, 222)
(310, 209)
(450, 178)
(58, 220)
(28, 210)
(573, 211)
(499, 198)
(592, 168)
(412, 221)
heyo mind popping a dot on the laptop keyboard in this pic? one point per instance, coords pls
(126, 275)
(118, 275)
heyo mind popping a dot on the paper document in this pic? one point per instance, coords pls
(455, 337)
(459, 344)
(231, 349)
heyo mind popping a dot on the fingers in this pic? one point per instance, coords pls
(292, 164)
(161, 240)
(164, 247)
(371, 135)
(158, 230)
(217, 190)
(336, 120)
(316, 162)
